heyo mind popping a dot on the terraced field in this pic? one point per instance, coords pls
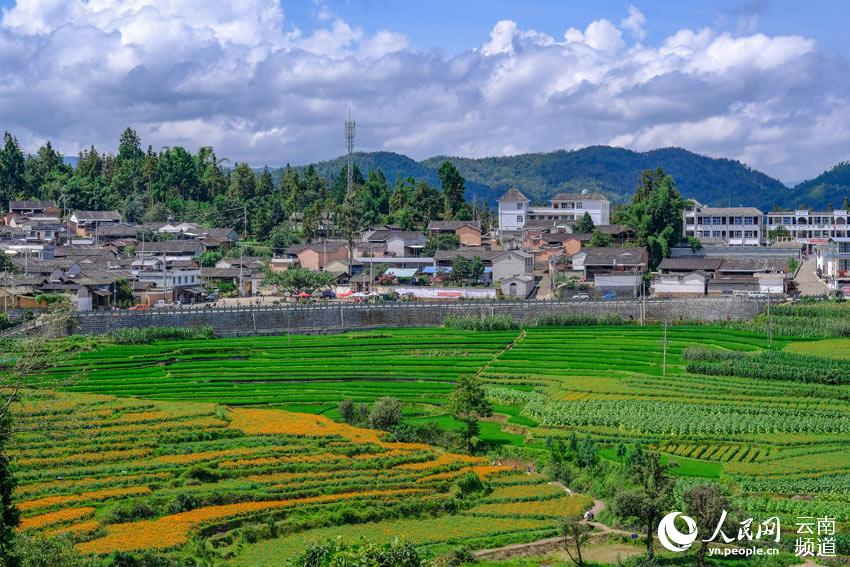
(779, 440)
(122, 474)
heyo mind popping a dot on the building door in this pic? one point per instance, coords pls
(512, 289)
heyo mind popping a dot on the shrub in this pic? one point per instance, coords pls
(182, 503)
(486, 323)
(335, 552)
(346, 410)
(201, 474)
(128, 511)
(386, 413)
(469, 484)
(147, 335)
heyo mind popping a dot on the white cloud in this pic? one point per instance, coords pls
(634, 23)
(240, 76)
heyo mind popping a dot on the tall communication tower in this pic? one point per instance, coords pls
(349, 142)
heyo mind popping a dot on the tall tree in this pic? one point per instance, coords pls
(584, 225)
(453, 186)
(129, 146)
(656, 215)
(242, 182)
(177, 175)
(705, 503)
(652, 496)
(265, 183)
(468, 403)
(12, 169)
(291, 190)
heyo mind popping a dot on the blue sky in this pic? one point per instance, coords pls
(762, 81)
(456, 25)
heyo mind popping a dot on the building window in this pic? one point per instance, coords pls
(716, 220)
(578, 205)
(738, 220)
(519, 206)
(519, 218)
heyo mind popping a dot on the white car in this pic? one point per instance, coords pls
(581, 296)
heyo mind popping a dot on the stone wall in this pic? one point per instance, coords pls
(243, 321)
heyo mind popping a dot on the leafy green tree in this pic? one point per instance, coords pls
(130, 146)
(467, 270)
(211, 178)
(778, 233)
(652, 497)
(299, 280)
(242, 185)
(265, 183)
(694, 243)
(601, 239)
(576, 533)
(705, 503)
(846, 205)
(584, 225)
(12, 169)
(291, 189)
(210, 258)
(282, 237)
(453, 187)
(656, 215)
(468, 403)
(442, 241)
(427, 201)
(386, 413)
(176, 175)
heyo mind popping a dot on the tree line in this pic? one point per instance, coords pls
(277, 207)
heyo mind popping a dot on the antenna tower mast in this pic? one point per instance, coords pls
(349, 143)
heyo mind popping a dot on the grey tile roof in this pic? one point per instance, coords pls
(513, 194)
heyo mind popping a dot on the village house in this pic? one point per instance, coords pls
(468, 232)
(614, 269)
(512, 263)
(87, 223)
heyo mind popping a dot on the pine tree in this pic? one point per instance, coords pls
(12, 169)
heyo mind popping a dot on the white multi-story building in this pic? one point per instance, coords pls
(515, 209)
(810, 228)
(732, 226)
(833, 263)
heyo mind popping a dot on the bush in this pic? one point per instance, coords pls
(468, 485)
(386, 413)
(182, 503)
(346, 410)
(429, 432)
(487, 323)
(334, 553)
(41, 551)
(128, 511)
(201, 474)
(147, 335)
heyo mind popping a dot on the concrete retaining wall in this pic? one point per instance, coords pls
(245, 321)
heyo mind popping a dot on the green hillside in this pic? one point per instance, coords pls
(829, 188)
(614, 172)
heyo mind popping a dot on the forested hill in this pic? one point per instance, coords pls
(829, 188)
(613, 171)
(397, 166)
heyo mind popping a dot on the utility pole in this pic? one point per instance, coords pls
(241, 248)
(349, 189)
(665, 349)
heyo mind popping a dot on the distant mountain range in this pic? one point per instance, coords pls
(614, 172)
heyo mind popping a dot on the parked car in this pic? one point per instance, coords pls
(610, 296)
(581, 296)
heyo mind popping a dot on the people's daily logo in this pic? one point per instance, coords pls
(670, 536)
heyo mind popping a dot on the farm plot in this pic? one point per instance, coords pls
(129, 474)
(414, 365)
(520, 508)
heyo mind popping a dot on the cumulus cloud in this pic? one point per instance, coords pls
(240, 76)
